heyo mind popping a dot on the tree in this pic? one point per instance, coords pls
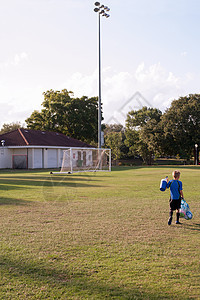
(114, 139)
(113, 128)
(76, 117)
(139, 118)
(143, 132)
(149, 141)
(131, 140)
(181, 125)
(10, 127)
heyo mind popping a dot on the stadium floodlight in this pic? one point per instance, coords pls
(101, 10)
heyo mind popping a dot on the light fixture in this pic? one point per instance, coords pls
(106, 8)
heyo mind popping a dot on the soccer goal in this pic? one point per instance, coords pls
(86, 160)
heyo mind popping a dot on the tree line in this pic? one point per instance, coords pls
(147, 132)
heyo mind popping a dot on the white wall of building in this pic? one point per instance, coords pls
(5, 158)
(36, 157)
(30, 158)
(52, 158)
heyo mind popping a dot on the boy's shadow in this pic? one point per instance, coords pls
(193, 226)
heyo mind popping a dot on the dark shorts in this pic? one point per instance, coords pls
(175, 204)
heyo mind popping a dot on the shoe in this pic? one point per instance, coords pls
(169, 221)
(177, 222)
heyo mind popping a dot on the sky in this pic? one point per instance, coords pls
(150, 54)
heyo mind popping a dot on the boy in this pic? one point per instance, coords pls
(176, 194)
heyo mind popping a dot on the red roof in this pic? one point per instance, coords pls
(29, 137)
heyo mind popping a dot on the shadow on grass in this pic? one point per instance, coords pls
(8, 183)
(194, 226)
(8, 186)
(12, 201)
(80, 282)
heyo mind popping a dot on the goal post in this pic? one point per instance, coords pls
(86, 160)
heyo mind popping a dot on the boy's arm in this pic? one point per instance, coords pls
(168, 183)
(181, 189)
(181, 192)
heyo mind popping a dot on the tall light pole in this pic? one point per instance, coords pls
(102, 11)
(196, 147)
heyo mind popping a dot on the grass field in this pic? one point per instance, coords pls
(97, 236)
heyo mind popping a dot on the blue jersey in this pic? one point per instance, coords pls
(175, 188)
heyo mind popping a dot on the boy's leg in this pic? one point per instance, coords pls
(170, 216)
(177, 216)
(178, 211)
(171, 208)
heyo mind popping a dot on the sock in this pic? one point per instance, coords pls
(177, 217)
(171, 213)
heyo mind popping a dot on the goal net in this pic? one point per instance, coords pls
(85, 160)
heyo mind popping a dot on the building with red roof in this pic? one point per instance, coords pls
(30, 149)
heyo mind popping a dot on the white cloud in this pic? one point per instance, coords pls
(14, 61)
(19, 57)
(154, 74)
(17, 104)
(157, 85)
(9, 113)
(82, 84)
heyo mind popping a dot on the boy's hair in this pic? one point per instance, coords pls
(176, 174)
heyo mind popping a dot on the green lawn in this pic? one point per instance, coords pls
(97, 236)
